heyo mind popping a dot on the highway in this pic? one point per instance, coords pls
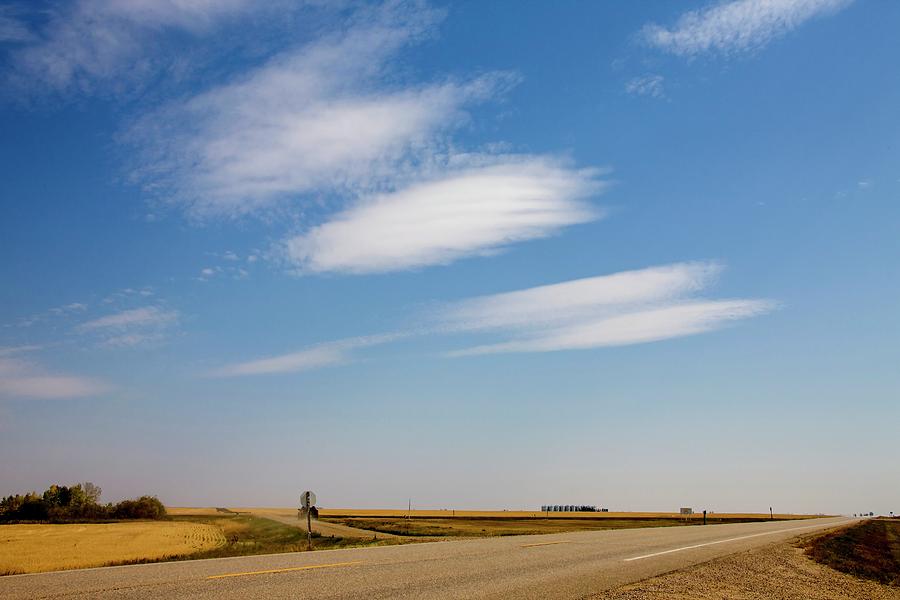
(566, 565)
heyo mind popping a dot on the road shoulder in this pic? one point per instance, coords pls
(779, 571)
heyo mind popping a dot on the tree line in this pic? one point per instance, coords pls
(79, 502)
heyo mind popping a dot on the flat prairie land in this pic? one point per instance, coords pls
(192, 511)
(523, 514)
(43, 547)
(483, 527)
(473, 523)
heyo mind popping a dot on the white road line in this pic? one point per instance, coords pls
(743, 537)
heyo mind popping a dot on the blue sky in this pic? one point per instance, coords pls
(641, 256)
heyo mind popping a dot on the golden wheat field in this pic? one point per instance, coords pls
(34, 548)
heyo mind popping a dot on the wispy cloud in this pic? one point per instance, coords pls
(637, 327)
(647, 85)
(631, 307)
(12, 28)
(462, 212)
(58, 311)
(87, 42)
(328, 117)
(131, 327)
(314, 357)
(611, 310)
(21, 378)
(737, 26)
(152, 316)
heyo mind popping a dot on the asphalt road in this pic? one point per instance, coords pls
(566, 565)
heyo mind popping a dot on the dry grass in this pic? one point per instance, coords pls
(870, 550)
(34, 548)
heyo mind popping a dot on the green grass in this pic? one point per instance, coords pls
(488, 526)
(870, 550)
(248, 535)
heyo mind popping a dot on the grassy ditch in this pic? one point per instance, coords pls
(246, 535)
(870, 550)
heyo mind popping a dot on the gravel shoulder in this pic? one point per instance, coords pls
(778, 571)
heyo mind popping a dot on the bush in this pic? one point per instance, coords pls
(145, 507)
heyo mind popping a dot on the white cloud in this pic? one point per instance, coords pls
(315, 357)
(637, 327)
(24, 379)
(737, 26)
(148, 316)
(579, 299)
(463, 212)
(328, 117)
(88, 41)
(612, 310)
(648, 85)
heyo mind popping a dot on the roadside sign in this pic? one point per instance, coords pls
(307, 499)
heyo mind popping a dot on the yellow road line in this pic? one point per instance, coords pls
(543, 544)
(306, 568)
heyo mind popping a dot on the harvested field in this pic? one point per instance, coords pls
(472, 523)
(34, 548)
(190, 511)
(475, 527)
(870, 550)
(488, 523)
(517, 514)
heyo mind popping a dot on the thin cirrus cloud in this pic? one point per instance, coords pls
(647, 85)
(625, 308)
(20, 378)
(88, 42)
(467, 211)
(131, 327)
(314, 357)
(12, 27)
(630, 307)
(326, 117)
(737, 26)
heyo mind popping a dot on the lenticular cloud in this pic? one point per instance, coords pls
(463, 212)
(625, 308)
